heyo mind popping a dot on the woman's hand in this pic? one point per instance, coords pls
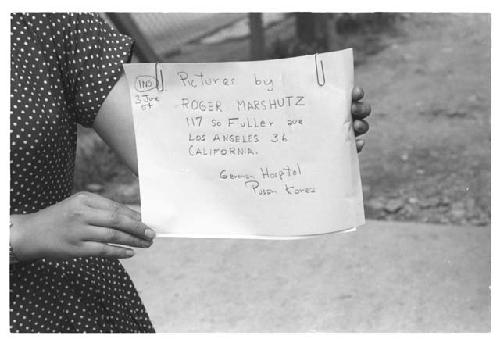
(359, 111)
(84, 224)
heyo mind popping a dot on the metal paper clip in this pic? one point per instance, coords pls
(317, 71)
(160, 86)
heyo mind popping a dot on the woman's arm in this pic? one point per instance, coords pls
(87, 224)
(114, 122)
(115, 125)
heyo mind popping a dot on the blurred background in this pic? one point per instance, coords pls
(427, 77)
(421, 263)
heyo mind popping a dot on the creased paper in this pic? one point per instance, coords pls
(261, 149)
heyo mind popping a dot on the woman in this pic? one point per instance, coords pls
(64, 274)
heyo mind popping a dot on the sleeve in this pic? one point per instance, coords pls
(92, 56)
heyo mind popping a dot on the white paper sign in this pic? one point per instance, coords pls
(247, 149)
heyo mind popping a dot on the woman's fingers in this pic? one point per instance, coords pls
(115, 219)
(113, 236)
(360, 127)
(360, 110)
(99, 202)
(92, 248)
(106, 212)
(357, 93)
(359, 144)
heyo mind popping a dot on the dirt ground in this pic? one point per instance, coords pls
(388, 276)
(427, 155)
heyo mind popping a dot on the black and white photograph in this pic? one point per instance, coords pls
(249, 172)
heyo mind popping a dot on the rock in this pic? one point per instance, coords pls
(95, 188)
(480, 222)
(458, 210)
(429, 202)
(444, 201)
(376, 203)
(394, 205)
(405, 156)
(473, 98)
(413, 200)
(456, 113)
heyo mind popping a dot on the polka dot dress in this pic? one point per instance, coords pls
(62, 68)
